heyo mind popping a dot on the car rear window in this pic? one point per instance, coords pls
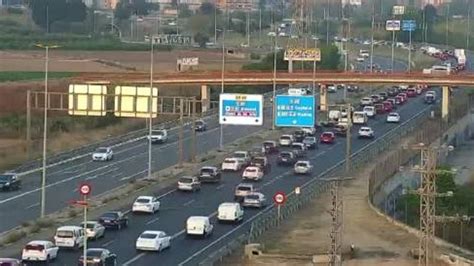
(301, 164)
(259, 161)
(65, 234)
(327, 135)
(148, 236)
(143, 200)
(185, 180)
(94, 253)
(206, 171)
(101, 150)
(253, 197)
(111, 215)
(244, 188)
(285, 137)
(285, 154)
(229, 161)
(251, 170)
(36, 247)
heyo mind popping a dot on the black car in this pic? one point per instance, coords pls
(352, 88)
(383, 95)
(98, 257)
(200, 126)
(392, 92)
(310, 142)
(209, 174)
(299, 135)
(9, 181)
(286, 158)
(270, 146)
(114, 219)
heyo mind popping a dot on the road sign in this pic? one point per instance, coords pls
(408, 25)
(241, 109)
(398, 10)
(392, 25)
(295, 111)
(297, 190)
(85, 189)
(86, 99)
(132, 101)
(279, 198)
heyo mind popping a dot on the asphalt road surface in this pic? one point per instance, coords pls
(178, 206)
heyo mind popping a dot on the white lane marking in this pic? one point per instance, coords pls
(103, 174)
(152, 221)
(178, 234)
(137, 257)
(220, 186)
(131, 176)
(189, 202)
(108, 243)
(33, 205)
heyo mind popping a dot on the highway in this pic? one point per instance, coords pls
(178, 206)
(130, 161)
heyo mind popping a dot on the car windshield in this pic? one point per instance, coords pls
(159, 132)
(243, 188)
(142, 200)
(327, 135)
(206, 171)
(268, 144)
(393, 114)
(229, 161)
(364, 129)
(94, 253)
(285, 154)
(299, 133)
(253, 197)
(5, 178)
(89, 225)
(185, 180)
(199, 123)
(301, 164)
(101, 150)
(259, 161)
(34, 247)
(251, 170)
(111, 215)
(148, 236)
(285, 137)
(65, 234)
(239, 155)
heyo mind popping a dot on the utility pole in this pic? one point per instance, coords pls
(447, 25)
(468, 32)
(428, 195)
(348, 138)
(181, 133)
(372, 39)
(193, 135)
(150, 105)
(28, 123)
(221, 128)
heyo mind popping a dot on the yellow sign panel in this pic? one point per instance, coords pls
(87, 100)
(131, 101)
(302, 54)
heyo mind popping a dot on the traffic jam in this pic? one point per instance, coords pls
(291, 150)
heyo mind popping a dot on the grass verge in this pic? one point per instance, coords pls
(9, 76)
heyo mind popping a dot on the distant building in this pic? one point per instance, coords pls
(351, 2)
(236, 5)
(436, 3)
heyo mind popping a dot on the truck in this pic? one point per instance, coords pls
(460, 56)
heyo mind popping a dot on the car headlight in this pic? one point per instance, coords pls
(7, 183)
(96, 260)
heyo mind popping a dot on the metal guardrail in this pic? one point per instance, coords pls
(133, 135)
(269, 218)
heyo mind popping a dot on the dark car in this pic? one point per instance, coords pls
(375, 98)
(10, 262)
(352, 88)
(98, 257)
(286, 158)
(310, 142)
(379, 108)
(113, 220)
(270, 146)
(200, 126)
(399, 100)
(299, 135)
(411, 92)
(340, 130)
(392, 92)
(387, 106)
(430, 99)
(9, 181)
(383, 95)
(209, 174)
(393, 102)
(327, 137)
(262, 162)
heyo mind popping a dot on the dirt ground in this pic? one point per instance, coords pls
(99, 61)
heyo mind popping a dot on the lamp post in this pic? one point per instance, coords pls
(221, 131)
(150, 105)
(45, 125)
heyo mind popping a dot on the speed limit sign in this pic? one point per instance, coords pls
(279, 198)
(85, 189)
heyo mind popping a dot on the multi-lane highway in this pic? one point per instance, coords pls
(178, 206)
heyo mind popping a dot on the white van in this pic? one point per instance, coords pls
(69, 237)
(198, 226)
(359, 118)
(230, 211)
(369, 111)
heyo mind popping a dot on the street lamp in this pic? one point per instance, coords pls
(150, 105)
(221, 132)
(45, 124)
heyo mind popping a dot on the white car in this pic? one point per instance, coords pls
(231, 164)
(366, 101)
(254, 199)
(39, 250)
(393, 118)
(199, 226)
(103, 154)
(360, 59)
(243, 156)
(369, 111)
(153, 241)
(158, 136)
(332, 88)
(366, 132)
(230, 212)
(286, 140)
(309, 131)
(303, 167)
(189, 183)
(253, 173)
(146, 204)
(94, 230)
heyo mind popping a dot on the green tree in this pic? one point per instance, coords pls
(207, 8)
(46, 12)
(184, 11)
(201, 39)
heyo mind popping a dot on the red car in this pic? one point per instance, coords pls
(399, 100)
(404, 96)
(379, 108)
(327, 137)
(387, 106)
(411, 92)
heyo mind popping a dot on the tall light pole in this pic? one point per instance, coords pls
(447, 26)
(215, 25)
(274, 81)
(45, 125)
(221, 132)
(150, 105)
(372, 39)
(468, 32)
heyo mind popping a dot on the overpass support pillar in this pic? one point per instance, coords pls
(445, 103)
(290, 66)
(323, 98)
(205, 98)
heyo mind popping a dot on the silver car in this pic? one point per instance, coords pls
(94, 230)
(303, 167)
(254, 199)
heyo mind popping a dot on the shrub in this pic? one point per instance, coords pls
(14, 236)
